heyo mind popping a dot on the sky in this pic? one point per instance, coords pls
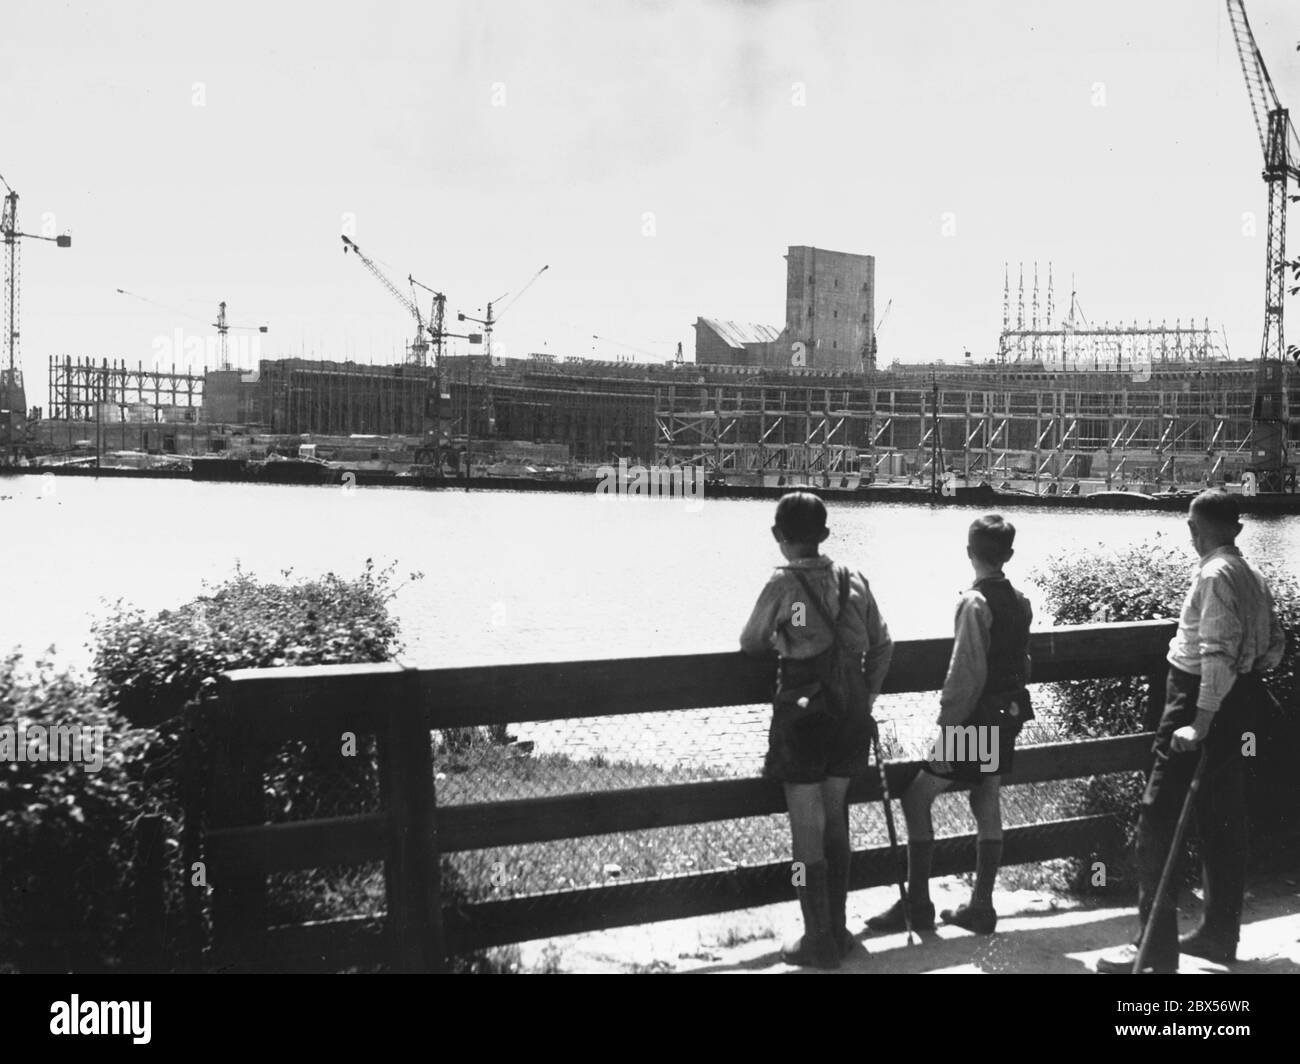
(658, 156)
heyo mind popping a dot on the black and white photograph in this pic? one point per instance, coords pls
(627, 487)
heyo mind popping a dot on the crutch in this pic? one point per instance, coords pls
(1171, 862)
(893, 835)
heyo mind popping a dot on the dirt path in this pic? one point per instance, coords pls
(1037, 932)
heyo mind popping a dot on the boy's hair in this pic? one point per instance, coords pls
(991, 538)
(1217, 507)
(801, 517)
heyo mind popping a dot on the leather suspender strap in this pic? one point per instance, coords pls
(832, 623)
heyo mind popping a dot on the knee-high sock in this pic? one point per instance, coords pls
(920, 854)
(988, 855)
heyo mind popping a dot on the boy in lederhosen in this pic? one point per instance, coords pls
(983, 705)
(808, 606)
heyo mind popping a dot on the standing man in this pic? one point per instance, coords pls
(1228, 634)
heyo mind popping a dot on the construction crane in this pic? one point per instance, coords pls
(487, 324)
(419, 350)
(490, 321)
(223, 327)
(871, 347)
(1277, 137)
(437, 316)
(13, 398)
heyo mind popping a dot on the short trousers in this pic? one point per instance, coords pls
(970, 769)
(811, 752)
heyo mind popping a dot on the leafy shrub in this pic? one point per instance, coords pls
(66, 838)
(1141, 583)
(150, 667)
(65, 859)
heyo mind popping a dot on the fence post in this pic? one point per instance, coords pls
(194, 773)
(238, 892)
(149, 915)
(411, 872)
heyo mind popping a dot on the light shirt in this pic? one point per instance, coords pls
(1228, 625)
(783, 621)
(968, 668)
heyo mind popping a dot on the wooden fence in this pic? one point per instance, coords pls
(260, 708)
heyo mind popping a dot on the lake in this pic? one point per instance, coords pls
(509, 577)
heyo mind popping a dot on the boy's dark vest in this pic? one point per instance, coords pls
(1009, 637)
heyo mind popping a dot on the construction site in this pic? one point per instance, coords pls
(1067, 406)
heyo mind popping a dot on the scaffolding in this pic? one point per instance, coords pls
(1188, 423)
(343, 398)
(1076, 345)
(78, 386)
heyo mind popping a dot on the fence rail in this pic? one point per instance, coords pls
(401, 707)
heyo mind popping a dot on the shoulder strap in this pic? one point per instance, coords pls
(831, 623)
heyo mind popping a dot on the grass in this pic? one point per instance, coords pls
(482, 771)
(652, 854)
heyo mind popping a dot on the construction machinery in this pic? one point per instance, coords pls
(490, 320)
(424, 331)
(487, 323)
(1272, 427)
(418, 353)
(223, 327)
(13, 397)
(873, 344)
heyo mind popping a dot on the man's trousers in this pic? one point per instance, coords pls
(1220, 811)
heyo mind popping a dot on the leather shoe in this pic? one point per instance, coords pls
(1120, 962)
(892, 918)
(1207, 947)
(980, 919)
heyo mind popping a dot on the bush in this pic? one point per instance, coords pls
(1149, 581)
(68, 841)
(1140, 583)
(67, 846)
(150, 667)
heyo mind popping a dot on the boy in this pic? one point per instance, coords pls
(1228, 634)
(989, 666)
(799, 615)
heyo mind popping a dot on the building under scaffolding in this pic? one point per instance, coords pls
(598, 416)
(1182, 422)
(341, 398)
(82, 389)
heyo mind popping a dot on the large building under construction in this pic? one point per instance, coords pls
(1062, 402)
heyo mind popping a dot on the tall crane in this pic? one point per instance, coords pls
(490, 321)
(487, 324)
(13, 399)
(437, 317)
(1277, 137)
(419, 350)
(872, 346)
(223, 327)
(424, 331)
(221, 324)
